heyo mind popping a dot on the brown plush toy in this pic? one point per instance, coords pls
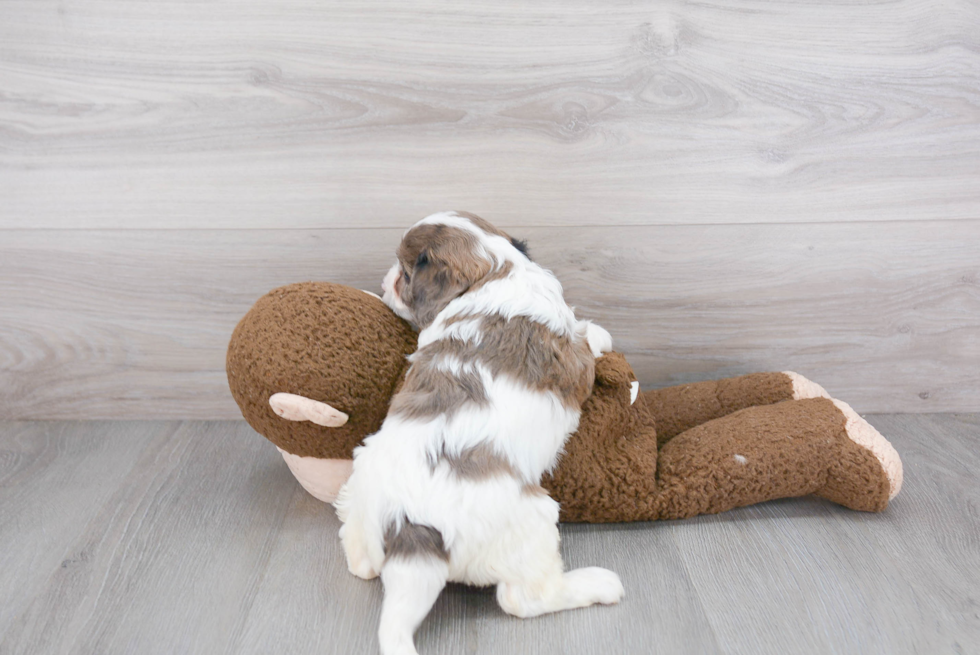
(314, 365)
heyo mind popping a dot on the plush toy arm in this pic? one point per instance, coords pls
(683, 407)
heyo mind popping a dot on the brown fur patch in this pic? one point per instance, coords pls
(520, 348)
(429, 391)
(483, 224)
(534, 490)
(477, 463)
(498, 274)
(487, 227)
(414, 540)
(440, 263)
(531, 353)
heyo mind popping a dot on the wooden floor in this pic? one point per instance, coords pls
(192, 537)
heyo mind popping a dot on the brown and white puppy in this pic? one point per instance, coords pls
(448, 489)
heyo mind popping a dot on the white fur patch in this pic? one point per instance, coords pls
(600, 341)
(391, 297)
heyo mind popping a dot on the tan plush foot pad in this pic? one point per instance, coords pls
(804, 388)
(864, 434)
(323, 478)
(860, 431)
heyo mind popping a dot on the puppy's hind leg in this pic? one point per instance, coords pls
(535, 583)
(411, 588)
(414, 572)
(564, 591)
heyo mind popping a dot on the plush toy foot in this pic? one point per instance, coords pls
(804, 388)
(298, 408)
(858, 430)
(844, 478)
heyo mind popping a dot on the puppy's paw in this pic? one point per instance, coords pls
(356, 551)
(600, 585)
(361, 568)
(396, 646)
(600, 341)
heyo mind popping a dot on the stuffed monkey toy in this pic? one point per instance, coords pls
(313, 367)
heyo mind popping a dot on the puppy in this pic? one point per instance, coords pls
(448, 488)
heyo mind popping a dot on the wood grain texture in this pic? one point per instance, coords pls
(134, 324)
(898, 582)
(173, 556)
(55, 478)
(158, 114)
(930, 546)
(202, 542)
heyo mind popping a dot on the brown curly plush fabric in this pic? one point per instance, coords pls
(608, 471)
(744, 441)
(324, 341)
(792, 448)
(722, 444)
(687, 405)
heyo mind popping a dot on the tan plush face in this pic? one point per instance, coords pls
(435, 264)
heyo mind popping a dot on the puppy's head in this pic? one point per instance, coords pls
(442, 257)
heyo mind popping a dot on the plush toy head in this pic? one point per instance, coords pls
(344, 347)
(323, 341)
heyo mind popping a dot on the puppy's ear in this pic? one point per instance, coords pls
(520, 244)
(433, 286)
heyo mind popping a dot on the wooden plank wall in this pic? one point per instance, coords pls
(727, 186)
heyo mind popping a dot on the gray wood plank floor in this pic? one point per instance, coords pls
(191, 537)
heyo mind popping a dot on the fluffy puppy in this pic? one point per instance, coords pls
(448, 489)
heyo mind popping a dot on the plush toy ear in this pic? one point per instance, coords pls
(613, 370)
(298, 408)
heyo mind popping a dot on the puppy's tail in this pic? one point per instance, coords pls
(414, 573)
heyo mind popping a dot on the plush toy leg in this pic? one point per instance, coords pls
(683, 407)
(793, 448)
